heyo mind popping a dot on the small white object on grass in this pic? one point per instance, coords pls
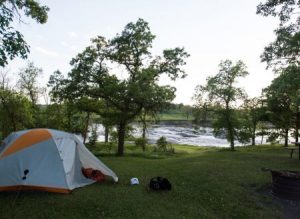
(134, 181)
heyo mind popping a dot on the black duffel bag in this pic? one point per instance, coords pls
(160, 183)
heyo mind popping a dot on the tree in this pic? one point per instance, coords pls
(15, 112)
(285, 49)
(28, 82)
(145, 118)
(220, 91)
(88, 106)
(203, 109)
(283, 100)
(91, 76)
(15, 108)
(62, 95)
(253, 112)
(187, 110)
(12, 41)
(283, 52)
(284, 9)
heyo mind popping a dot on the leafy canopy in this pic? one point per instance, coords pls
(285, 49)
(283, 96)
(220, 89)
(221, 94)
(12, 43)
(93, 75)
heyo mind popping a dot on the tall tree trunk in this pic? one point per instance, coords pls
(253, 134)
(144, 132)
(231, 137)
(286, 137)
(144, 135)
(69, 120)
(121, 138)
(4, 131)
(14, 124)
(253, 140)
(106, 133)
(297, 126)
(87, 121)
(144, 129)
(262, 139)
(230, 129)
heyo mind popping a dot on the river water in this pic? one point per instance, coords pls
(178, 133)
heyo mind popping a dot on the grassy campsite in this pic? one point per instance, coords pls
(149, 109)
(207, 183)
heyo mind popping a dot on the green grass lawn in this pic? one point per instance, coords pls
(174, 117)
(207, 183)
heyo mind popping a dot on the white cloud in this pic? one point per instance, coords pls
(108, 33)
(64, 43)
(46, 52)
(69, 46)
(90, 35)
(72, 34)
(39, 37)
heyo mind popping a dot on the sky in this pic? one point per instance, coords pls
(210, 31)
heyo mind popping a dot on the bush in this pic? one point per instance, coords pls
(113, 137)
(93, 138)
(273, 138)
(141, 142)
(163, 145)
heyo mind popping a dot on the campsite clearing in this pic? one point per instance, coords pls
(207, 183)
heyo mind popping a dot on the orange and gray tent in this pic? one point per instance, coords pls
(48, 160)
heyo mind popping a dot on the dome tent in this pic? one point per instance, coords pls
(48, 160)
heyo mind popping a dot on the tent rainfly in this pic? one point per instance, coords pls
(47, 160)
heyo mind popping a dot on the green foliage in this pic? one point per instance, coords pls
(163, 145)
(124, 98)
(28, 84)
(176, 112)
(283, 99)
(284, 9)
(12, 41)
(285, 49)
(64, 116)
(244, 135)
(113, 137)
(205, 114)
(57, 82)
(251, 114)
(274, 137)
(141, 142)
(221, 95)
(93, 138)
(15, 112)
(28, 81)
(129, 134)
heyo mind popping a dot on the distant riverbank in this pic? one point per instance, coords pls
(177, 132)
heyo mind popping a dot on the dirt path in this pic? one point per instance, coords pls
(290, 209)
